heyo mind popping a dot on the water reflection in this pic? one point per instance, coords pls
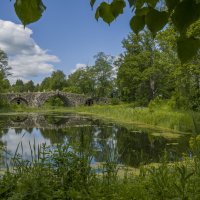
(108, 142)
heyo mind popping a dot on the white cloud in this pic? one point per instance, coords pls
(78, 66)
(26, 57)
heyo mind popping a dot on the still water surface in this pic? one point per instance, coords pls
(108, 141)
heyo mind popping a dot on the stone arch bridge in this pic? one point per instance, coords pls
(37, 99)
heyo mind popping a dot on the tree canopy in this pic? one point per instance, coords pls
(155, 14)
(96, 80)
(4, 71)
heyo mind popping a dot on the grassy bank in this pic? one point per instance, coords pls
(162, 118)
(180, 121)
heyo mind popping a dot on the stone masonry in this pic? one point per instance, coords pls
(37, 99)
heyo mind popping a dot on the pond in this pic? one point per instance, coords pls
(107, 141)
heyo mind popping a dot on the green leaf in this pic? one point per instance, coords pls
(29, 11)
(185, 13)
(117, 7)
(105, 12)
(152, 3)
(137, 23)
(136, 3)
(171, 4)
(187, 48)
(97, 14)
(156, 20)
(131, 2)
(142, 11)
(92, 2)
(139, 3)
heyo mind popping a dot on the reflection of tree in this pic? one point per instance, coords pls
(55, 135)
(113, 143)
(29, 130)
(121, 145)
(18, 118)
(1, 152)
(106, 142)
(18, 130)
(176, 147)
(3, 121)
(135, 148)
(80, 137)
(51, 119)
(3, 132)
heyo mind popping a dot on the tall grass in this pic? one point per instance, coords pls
(182, 121)
(161, 117)
(59, 173)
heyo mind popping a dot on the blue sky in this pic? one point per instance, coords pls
(69, 31)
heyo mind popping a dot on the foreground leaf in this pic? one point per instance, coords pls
(186, 13)
(187, 48)
(139, 3)
(92, 2)
(131, 2)
(142, 11)
(29, 11)
(137, 23)
(105, 12)
(117, 7)
(156, 20)
(152, 3)
(171, 4)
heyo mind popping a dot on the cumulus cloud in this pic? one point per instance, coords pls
(26, 57)
(79, 66)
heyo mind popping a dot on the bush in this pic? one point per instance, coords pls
(115, 101)
(4, 105)
(60, 173)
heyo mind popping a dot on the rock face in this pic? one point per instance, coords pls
(37, 99)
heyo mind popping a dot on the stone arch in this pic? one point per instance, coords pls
(63, 98)
(89, 102)
(19, 101)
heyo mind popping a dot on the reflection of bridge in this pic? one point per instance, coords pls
(47, 122)
(37, 99)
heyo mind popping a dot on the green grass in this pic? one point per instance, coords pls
(60, 174)
(180, 121)
(159, 118)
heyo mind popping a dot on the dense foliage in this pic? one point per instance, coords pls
(96, 81)
(148, 71)
(60, 173)
(4, 73)
(155, 14)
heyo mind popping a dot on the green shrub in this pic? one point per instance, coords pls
(4, 105)
(60, 173)
(115, 101)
